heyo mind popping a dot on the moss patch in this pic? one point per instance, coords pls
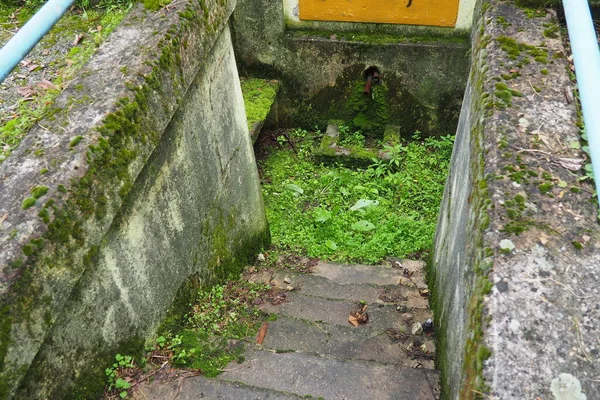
(259, 96)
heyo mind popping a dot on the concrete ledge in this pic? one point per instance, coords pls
(146, 185)
(516, 261)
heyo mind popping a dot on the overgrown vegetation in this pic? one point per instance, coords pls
(203, 340)
(355, 215)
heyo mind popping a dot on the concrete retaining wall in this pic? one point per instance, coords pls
(151, 179)
(515, 266)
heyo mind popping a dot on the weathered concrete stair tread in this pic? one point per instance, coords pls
(336, 312)
(313, 350)
(367, 343)
(333, 379)
(319, 286)
(374, 274)
(199, 387)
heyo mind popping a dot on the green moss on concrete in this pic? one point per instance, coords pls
(369, 113)
(259, 96)
(39, 191)
(75, 141)
(44, 214)
(28, 203)
(522, 51)
(551, 30)
(155, 5)
(376, 38)
(545, 188)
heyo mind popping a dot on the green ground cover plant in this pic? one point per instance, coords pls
(355, 215)
(204, 339)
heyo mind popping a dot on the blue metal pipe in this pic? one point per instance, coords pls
(30, 34)
(586, 56)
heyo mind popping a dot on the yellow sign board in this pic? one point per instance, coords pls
(412, 12)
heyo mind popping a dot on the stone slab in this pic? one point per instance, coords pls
(314, 285)
(199, 387)
(356, 273)
(304, 374)
(336, 312)
(345, 342)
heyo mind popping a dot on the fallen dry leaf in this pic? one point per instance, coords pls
(572, 164)
(359, 317)
(46, 84)
(78, 39)
(585, 239)
(262, 333)
(25, 91)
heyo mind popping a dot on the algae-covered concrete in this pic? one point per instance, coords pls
(424, 69)
(515, 266)
(151, 179)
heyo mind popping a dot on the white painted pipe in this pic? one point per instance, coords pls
(586, 56)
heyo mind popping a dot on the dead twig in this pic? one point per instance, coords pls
(290, 142)
(579, 336)
(150, 374)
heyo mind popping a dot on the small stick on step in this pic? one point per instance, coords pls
(262, 333)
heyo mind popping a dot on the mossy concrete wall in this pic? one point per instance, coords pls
(515, 264)
(151, 179)
(425, 69)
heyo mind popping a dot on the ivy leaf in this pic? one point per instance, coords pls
(122, 384)
(363, 203)
(363, 226)
(297, 190)
(331, 244)
(123, 394)
(322, 215)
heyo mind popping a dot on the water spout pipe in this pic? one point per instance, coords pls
(586, 56)
(368, 84)
(30, 34)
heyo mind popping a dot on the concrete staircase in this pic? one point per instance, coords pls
(312, 349)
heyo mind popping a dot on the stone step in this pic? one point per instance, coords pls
(407, 273)
(309, 375)
(348, 342)
(336, 312)
(199, 387)
(312, 285)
